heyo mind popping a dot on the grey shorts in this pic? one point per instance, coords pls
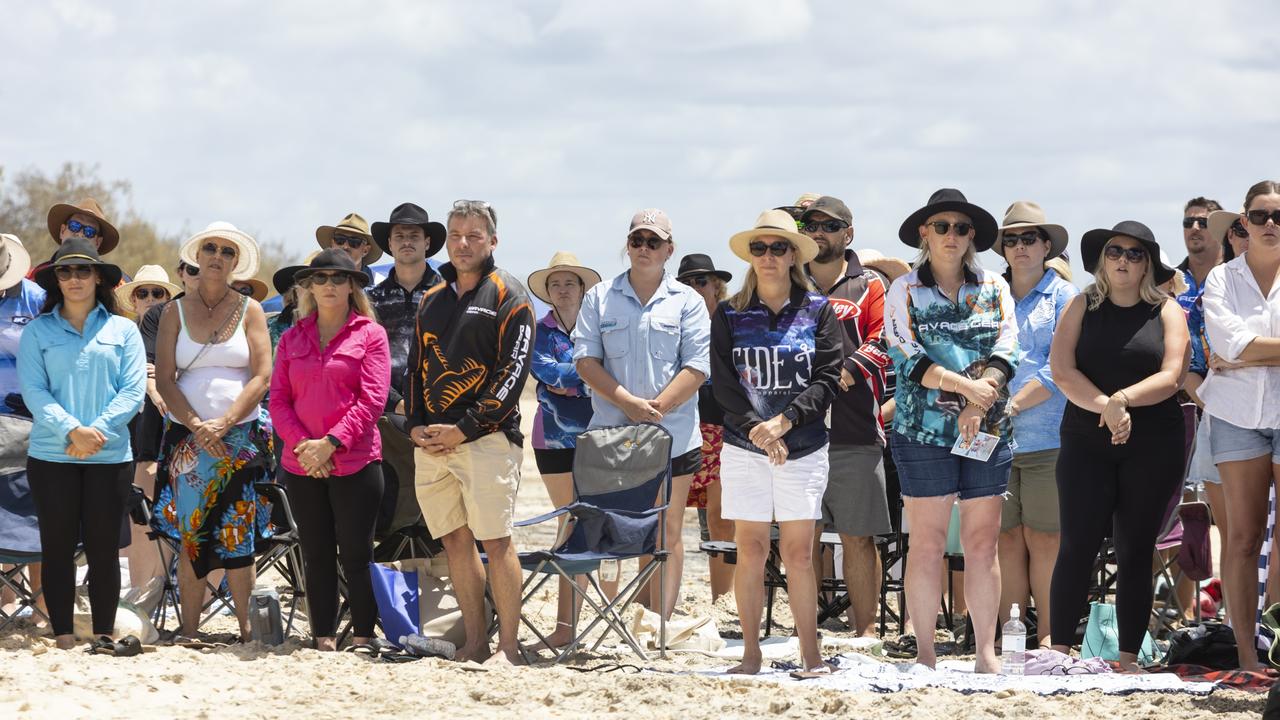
(1232, 443)
(855, 502)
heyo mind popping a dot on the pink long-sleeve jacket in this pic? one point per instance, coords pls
(339, 392)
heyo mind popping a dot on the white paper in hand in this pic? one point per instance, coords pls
(979, 448)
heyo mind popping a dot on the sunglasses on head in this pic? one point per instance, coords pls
(157, 293)
(326, 278)
(942, 226)
(697, 280)
(777, 248)
(77, 227)
(1029, 238)
(1190, 222)
(348, 241)
(80, 272)
(825, 226)
(1133, 255)
(212, 249)
(1260, 217)
(652, 242)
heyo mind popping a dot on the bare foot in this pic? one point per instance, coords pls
(326, 644)
(926, 656)
(748, 666)
(556, 640)
(472, 653)
(986, 664)
(65, 642)
(505, 657)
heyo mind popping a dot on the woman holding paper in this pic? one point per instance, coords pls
(953, 338)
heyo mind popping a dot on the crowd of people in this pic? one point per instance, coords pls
(833, 389)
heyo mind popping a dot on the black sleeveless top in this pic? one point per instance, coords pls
(1118, 347)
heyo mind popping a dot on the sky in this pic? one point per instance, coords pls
(568, 116)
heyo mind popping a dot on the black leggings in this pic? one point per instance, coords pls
(341, 511)
(1123, 491)
(79, 503)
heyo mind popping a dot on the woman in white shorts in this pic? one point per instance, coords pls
(776, 350)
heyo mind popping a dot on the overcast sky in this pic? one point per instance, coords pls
(569, 116)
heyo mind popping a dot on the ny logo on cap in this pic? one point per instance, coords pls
(650, 217)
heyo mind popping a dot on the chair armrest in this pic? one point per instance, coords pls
(544, 517)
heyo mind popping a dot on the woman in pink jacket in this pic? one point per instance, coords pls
(332, 374)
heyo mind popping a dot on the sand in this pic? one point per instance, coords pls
(293, 681)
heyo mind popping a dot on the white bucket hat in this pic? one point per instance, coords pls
(15, 261)
(247, 264)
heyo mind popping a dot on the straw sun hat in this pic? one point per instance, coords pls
(247, 247)
(562, 261)
(146, 275)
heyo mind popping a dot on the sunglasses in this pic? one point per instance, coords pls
(637, 242)
(156, 293)
(212, 249)
(191, 270)
(1027, 239)
(245, 290)
(1190, 222)
(942, 226)
(79, 228)
(326, 278)
(1133, 255)
(697, 280)
(777, 248)
(348, 241)
(1260, 217)
(825, 226)
(80, 272)
(1237, 227)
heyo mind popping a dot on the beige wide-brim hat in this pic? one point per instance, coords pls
(146, 275)
(561, 262)
(247, 264)
(774, 223)
(891, 267)
(352, 224)
(15, 261)
(62, 212)
(1027, 214)
(260, 289)
(1220, 222)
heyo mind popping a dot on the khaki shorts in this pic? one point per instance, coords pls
(1032, 499)
(474, 486)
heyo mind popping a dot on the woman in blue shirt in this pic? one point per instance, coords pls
(84, 373)
(1029, 519)
(777, 351)
(640, 344)
(564, 409)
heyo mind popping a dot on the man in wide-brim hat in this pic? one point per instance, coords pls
(351, 235)
(84, 219)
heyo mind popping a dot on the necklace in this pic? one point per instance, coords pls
(207, 306)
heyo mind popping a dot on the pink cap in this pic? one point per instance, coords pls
(652, 219)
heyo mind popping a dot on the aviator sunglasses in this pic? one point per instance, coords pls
(637, 242)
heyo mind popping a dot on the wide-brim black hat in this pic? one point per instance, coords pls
(700, 264)
(951, 200)
(77, 251)
(410, 214)
(1093, 242)
(285, 277)
(331, 260)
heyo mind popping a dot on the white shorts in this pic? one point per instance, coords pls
(755, 491)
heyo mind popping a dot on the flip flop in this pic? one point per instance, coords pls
(99, 643)
(903, 649)
(129, 646)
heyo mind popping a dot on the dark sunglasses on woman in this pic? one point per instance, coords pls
(157, 293)
(942, 226)
(1027, 239)
(777, 248)
(637, 242)
(1260, 217)
(697, 281)
(213, 249)
(1133, 255)
(81, 272)
(326, 278)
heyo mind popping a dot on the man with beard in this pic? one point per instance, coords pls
(855, 503)
(1203, 254)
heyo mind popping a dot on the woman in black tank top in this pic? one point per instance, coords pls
(1119, 354)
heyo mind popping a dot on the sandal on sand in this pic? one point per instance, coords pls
(903, 649)
(98, 643)
(129, 646)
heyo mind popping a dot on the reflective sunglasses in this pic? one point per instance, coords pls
(156, 293)
(777, 248)
(942, 226)
(81, 272)
(77, 227)
(327, 278)
(348, 241)
(697, 280)
(825, 226)
(246, 290)
(637, 242)
(1260, 217)
(212, 249)
(1027, 239)
(1133, 255)
(1189, 222)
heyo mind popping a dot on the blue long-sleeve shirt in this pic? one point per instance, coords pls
(70, 379)
(560, 418)
(1036, 428)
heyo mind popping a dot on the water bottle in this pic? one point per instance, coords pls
(428, 647)
(1014, 644)
(264, 617)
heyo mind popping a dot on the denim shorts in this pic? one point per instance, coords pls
(932, 471)
(1232, 443)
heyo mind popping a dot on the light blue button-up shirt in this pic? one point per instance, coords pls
(1038, 427)
(70, 379)
(643, 346)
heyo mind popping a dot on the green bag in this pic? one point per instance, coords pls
(1102, 637)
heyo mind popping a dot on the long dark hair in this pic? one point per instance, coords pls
(106, 296)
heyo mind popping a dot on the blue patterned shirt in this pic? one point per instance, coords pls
(1036, 428)
(1192, 303)
(560, 418)
(20, 305)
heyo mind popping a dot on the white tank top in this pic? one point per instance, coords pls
(213, 381)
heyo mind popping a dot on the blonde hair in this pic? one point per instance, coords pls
(1101, 288)
(722, 288)
(970, 259)
(357, 301)
(742, 298)
(1059, 266)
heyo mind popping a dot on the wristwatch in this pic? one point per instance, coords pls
(791, 414)
(335, 442)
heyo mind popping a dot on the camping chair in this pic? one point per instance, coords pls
(1185, 523)
(19, 527)
(617, 473)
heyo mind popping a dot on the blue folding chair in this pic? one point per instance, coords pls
(618, 473)
(19, 528)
